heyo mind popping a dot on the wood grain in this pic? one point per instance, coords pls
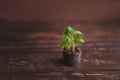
(29, 54)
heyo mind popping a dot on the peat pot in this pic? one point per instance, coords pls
(71, 58)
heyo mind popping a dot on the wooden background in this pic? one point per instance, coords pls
(31, 30)
(31, 51)
(37, 10)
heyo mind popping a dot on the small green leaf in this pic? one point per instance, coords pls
(79, 39)
(63, 43)
(72, 39)
(66, 41)
(70, 29)
(78, 32)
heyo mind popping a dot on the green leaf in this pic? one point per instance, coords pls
(71, 37)
(63, 42)
(78, 32)
(79, 39)
(70, 29)
(66, 41)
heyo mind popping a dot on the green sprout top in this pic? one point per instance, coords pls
(71, 37)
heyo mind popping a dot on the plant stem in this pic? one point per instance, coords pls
(73, 47)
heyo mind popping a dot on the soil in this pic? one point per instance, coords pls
(72, 58)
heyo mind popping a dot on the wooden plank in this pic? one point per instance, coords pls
(28, 53)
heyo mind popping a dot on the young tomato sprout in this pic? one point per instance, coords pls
(71, 37)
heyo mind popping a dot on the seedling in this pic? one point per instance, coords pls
(71, 37)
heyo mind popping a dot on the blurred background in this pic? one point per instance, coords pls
(37, 10)
(31, 30)
(51, 15)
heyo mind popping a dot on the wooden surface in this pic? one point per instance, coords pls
(34, 53)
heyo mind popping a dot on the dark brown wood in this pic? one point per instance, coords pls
(34, 53)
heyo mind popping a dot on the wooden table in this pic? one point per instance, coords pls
(34, 53)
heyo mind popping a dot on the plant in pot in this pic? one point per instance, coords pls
(71, 53)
